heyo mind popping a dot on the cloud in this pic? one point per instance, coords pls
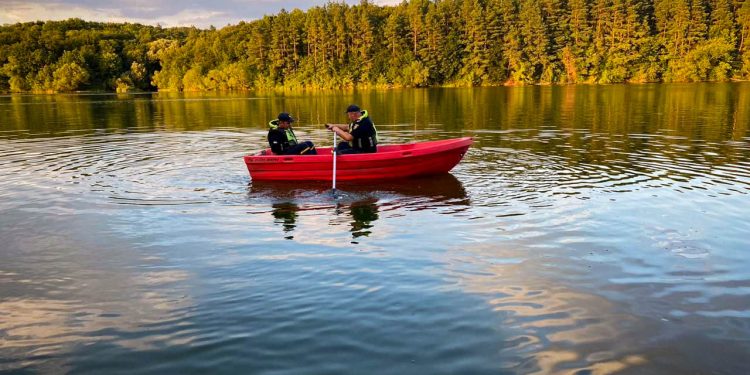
(13, 12)
(163, 12)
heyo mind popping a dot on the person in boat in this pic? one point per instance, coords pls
(282, 139)
(360, 135)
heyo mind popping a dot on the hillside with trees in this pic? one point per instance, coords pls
(418, 43)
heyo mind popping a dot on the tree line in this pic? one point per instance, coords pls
(417, 43)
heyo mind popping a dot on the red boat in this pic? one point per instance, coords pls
(391, 161)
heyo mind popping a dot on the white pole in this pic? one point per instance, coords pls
(334, 162)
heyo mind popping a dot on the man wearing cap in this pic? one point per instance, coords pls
(360, 135)
(282, 138)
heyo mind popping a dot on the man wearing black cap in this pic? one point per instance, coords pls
(282, 138)
(360, 135)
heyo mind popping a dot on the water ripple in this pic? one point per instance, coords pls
(595, 240)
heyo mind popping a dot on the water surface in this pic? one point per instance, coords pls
(590, 229)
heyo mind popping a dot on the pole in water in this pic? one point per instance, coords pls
(334, 164)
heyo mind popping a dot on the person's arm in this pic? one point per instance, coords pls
(339, 130)
(342, 126)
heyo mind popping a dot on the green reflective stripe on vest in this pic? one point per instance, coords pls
(290, 136)
(365, 115)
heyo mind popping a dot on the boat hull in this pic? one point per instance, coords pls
(390, 162)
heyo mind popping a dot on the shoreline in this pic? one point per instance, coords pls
(349, 88)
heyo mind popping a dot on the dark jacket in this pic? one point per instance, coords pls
(280, 139)
(364, 134)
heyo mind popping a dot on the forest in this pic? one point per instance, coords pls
(418, 43)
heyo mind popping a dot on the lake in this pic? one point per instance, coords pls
(589, 229)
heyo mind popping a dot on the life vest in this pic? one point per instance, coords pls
(363, 143)
(290, 137)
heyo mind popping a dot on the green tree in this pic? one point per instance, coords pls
(414, 43)
(743, 19)
(476, 40)
(518, 68)
(69, 76)
(536, 42)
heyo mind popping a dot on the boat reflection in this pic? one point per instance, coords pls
(360, 202)
(442, 188)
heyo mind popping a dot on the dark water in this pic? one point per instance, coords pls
(588, 230)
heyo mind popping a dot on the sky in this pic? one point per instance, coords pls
(166, 13)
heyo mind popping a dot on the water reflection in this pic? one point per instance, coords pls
(438, 188)
(588, 230)
(70, 293)
(363, 213)
(361, 202)
(714, 112)
(286, 214)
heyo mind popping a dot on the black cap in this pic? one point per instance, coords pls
(283, 116)
(352, 108)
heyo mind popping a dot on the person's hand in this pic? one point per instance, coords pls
(328, 126)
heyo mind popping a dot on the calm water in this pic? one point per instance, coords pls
(588, 230)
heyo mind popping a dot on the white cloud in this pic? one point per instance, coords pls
(164, 12)
(14, 12)
(194, 17)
